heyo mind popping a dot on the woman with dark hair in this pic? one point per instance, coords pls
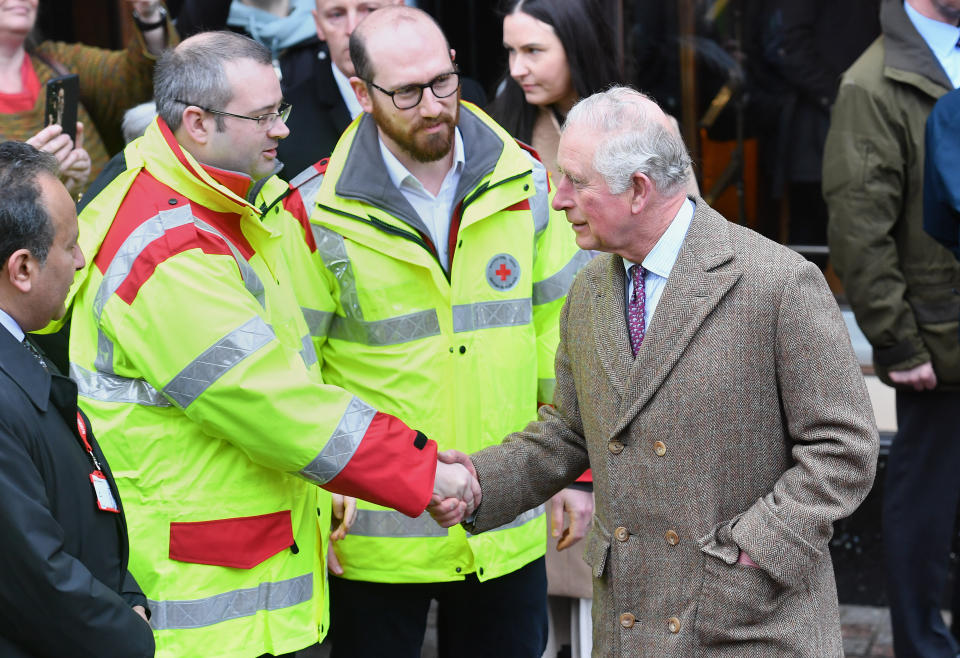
(559, 52)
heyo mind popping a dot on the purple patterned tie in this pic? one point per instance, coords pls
(638, 300)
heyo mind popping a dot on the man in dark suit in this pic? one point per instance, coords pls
(323, 103)
(65, 589)
(706, 376)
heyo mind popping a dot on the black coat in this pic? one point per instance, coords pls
(65, 589)
(318, 118)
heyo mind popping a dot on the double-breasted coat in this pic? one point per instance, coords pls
(743, 423)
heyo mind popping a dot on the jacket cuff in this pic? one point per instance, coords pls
(776, 549)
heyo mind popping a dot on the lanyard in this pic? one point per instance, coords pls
(82, 428)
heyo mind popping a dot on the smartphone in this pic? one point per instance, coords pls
(63, 96)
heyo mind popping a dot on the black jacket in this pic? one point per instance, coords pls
(318, 118)
(65, 589)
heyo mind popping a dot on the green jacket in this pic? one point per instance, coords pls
(900, 282)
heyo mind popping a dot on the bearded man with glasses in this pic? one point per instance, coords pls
(446, 270)
(194, 361)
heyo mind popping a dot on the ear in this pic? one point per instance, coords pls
(20, 270)
(316, 20)
(453, 55)
(362, 93)
(641, 190)
(194, 124)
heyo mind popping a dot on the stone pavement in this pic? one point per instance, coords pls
(866, 631)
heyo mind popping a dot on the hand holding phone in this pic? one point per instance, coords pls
(63, 98)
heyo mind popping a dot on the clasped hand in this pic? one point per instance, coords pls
(456, 490)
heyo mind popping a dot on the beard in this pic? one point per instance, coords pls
(410, 137)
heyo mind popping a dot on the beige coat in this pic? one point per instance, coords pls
(744, 422)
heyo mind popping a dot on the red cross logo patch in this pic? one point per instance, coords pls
(503, 272)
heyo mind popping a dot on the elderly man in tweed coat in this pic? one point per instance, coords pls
(724, 449)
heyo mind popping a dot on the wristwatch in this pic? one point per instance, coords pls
(144, 26)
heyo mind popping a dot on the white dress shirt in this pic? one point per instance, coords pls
(346, 91)
(942, 38)
(11, 325)
(434, 211)
(660, 261)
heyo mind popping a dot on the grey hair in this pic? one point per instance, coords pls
(24, 221)
(634, 140)
(193, 72)
(136, 120)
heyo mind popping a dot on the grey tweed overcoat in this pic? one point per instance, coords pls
(743, 422)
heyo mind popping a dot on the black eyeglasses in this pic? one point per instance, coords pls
(404, 98)
(264, 121)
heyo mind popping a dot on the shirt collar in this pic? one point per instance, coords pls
(940, 37)
(400, 174)
(663, 256)
(11, 325)
(346, 91)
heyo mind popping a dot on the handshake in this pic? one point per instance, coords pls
(456, 490)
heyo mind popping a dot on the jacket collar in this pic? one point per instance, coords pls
(364, 176)
(23, 369)
(705, 270)
(219, 189)
(907, 57)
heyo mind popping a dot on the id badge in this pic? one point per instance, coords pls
(101, 488)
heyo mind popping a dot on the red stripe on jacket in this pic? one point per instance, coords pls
(389, 459)
(145, 199)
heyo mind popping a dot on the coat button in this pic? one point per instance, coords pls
(672, 538)
(621, 533)
(673, 625)
(627, 620)
(615, 447)
(660, 448)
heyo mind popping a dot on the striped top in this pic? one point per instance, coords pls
(111, 81)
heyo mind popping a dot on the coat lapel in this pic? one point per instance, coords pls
(704, 272)
(610, 324)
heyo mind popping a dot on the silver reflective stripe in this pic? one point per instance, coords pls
(308, 183)
(251, 281)
(131, 249)
(217, 360)
(151, 230)
(104, 360)
(342, 444)
(545, 388)
(333, 251)
(390, 331)
(387, 523)
(486, 315)
(198, 613)
(114, 388)
(527, 516)
(540, 201)
(555, 287)
(308, 353)
(318, 322)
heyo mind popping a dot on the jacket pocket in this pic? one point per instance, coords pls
(739, 604)
(242, 542)
(596, 549)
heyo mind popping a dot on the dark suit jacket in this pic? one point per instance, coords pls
(743, 423)
(320, 116)
(65, 589)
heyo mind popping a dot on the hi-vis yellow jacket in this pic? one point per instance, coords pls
(463, 355)
(196, 367)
